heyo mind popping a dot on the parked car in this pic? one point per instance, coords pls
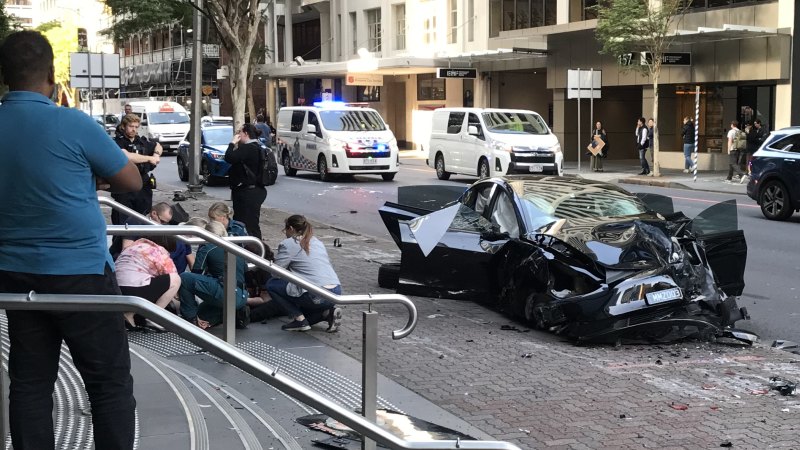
(109, 122)
(331, 138)
(486, 142)
(775, 174)
(214, 142)
(580, 257)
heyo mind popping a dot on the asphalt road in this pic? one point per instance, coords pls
(771, 296)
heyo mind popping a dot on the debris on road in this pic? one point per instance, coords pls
(679, 406)
(784, 387)
(789, 346)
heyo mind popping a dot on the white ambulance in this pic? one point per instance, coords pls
(331, 138)
(163, 122)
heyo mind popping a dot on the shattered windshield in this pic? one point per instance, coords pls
(514, 123)
(545, 202)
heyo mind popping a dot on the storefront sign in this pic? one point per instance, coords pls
(363, 79)
(667, 59)
(463, 74)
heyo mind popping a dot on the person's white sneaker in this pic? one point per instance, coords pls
(685, 170)
(744, 179)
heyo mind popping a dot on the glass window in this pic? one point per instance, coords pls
(312, 120)
(158, 118)
(430, 88)
(368, 93)
(783, 144)
(452, 36)
(515, 123)
(495, 18)
(545, 202)
(339, 34)
(430, 30)
(400, 24)
(478, 197)
(354, 27)
(550, 7)
(454, 122)
(218, 136)
(374, 29)
(297, 120)
(467, 219)
(352, 120)
(470, 20)
(474, 121)
(523, 14)
(508, 15)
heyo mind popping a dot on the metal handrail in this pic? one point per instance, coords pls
(162, 230)
(236, 357)
(251, 240)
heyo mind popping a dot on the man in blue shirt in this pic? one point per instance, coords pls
(53, 241)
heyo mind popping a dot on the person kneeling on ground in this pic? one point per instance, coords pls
(145, 269)
(305, 255)
(206, 281)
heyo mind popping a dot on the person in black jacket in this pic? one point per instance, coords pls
(688, 143)
(146, 155)
(756, 136)
(247, 193)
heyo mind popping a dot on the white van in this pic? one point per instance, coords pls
(163, 122)
(488, 142)
(331, 138)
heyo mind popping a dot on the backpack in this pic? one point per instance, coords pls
(740, 141)
(269, 168)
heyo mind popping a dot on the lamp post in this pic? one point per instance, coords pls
(195, 184)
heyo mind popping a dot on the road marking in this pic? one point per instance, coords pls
(714, 201)
(429, 170)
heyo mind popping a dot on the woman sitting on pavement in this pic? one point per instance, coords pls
(305, 255)
(145, 269)
(222, 213)
(206, 280)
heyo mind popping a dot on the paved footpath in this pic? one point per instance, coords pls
(539, 391)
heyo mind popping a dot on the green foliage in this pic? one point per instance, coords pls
(47, 26)
(64, 39)
(7, 22)
(625, 26)
(141, 15)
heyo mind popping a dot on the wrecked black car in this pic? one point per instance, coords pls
(582, 258)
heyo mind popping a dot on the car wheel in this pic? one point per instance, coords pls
(388, 176)
(205, 174)
(183, 171)
(287, 168)
(533, 315)
(483, 168)
(775, 201)
(389, 275)
(322, 169)
(440, 172)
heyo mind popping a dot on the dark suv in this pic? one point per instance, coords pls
(775, 174)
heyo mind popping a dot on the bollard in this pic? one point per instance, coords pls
(229, 305)
(369, 371)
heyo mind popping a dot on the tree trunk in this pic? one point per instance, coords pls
(238, 79)
(251, 106)
(656, 163)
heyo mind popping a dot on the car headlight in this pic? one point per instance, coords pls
(640, 291)
(503, 147)
(217, 156)
(155, 136)
(555, 149)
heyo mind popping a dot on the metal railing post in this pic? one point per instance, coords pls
(4, 426)
(369, 371)
(229, 307)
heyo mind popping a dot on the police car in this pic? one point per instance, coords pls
(332, 138)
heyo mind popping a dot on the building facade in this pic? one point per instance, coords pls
(23, 11)
(741, 58)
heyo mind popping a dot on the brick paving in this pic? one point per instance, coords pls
(540, 391)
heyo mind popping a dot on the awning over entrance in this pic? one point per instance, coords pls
(726, 33)
(394, 65)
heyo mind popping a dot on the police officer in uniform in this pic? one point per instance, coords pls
(146, 155)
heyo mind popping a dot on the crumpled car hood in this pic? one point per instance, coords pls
(638, 243)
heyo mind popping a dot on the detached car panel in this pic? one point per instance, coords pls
(579, 257)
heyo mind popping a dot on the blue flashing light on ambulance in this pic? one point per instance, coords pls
(331, 138)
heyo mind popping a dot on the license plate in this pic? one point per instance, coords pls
(667, 295)
(536, 168)
(370, 161)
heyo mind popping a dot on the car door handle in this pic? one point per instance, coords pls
(790, 160)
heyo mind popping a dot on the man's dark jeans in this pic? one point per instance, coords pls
(98, 344)
(643, 160)
(247, 207)
(307, 304)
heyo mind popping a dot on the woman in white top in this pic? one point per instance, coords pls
(306, 256)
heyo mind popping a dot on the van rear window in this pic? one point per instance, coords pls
(352, 120)
(514, 122)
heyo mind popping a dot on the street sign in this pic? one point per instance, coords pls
(464, 74)
(94, 70)
(207, 90)
(587, 81)
(667, 59)
(363, 79)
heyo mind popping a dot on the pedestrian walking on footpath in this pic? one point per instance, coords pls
(737, 143)
(305, 255)
(651, 129)
(755, 137)
(53, 237)
(247, 192)
(597, 160)
(642, 144)
(687, 133)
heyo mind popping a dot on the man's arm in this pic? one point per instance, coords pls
(126, 180)
(138, 159)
